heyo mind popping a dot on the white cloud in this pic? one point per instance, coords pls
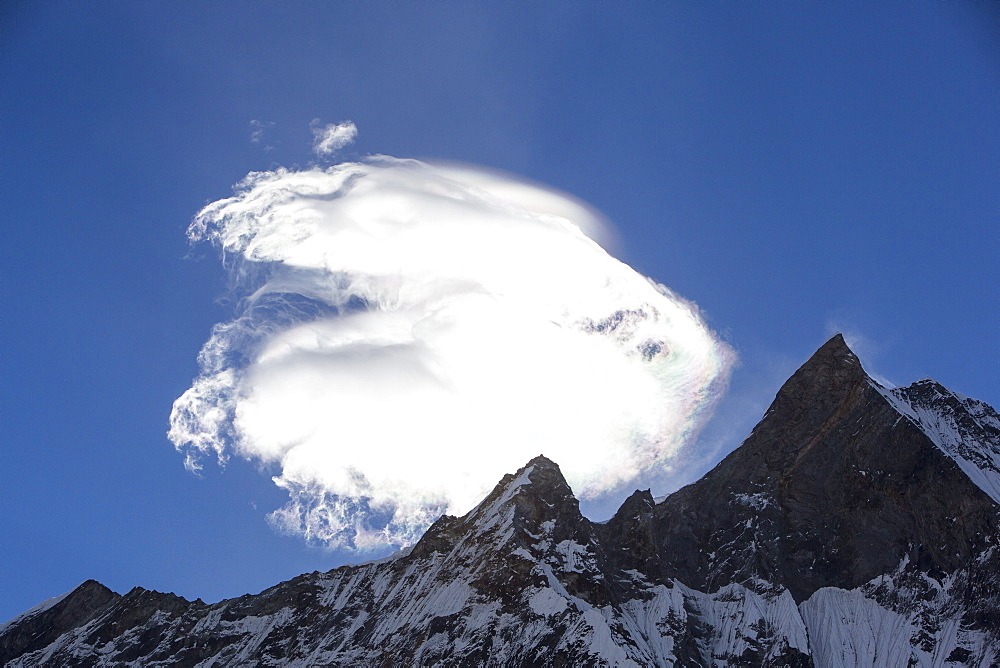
(408, 333)
(330, 138)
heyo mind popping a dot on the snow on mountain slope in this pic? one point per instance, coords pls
(888, 623)
(967, 430)
(36, 610)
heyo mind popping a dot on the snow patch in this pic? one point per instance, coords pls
(757, 501)
(546, 602)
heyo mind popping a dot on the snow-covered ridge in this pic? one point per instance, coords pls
(38, 609)
(965, 429)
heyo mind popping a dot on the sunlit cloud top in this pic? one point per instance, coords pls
(406, 333)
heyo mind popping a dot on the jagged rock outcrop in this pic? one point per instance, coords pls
(855, 525)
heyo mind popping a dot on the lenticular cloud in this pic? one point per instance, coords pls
(407, 333)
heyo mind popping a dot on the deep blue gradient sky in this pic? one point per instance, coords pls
(794, 168)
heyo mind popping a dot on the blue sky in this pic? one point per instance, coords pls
(794, 169)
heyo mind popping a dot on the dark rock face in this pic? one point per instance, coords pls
(849, 508)
(832, 488)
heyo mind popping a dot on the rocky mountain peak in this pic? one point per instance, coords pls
(834, 486)
(523, 505)
(834, 359)
(40, 626)
(821, 391)
(531, 493)
(825, 380)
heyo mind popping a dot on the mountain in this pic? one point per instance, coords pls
(856, 525)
